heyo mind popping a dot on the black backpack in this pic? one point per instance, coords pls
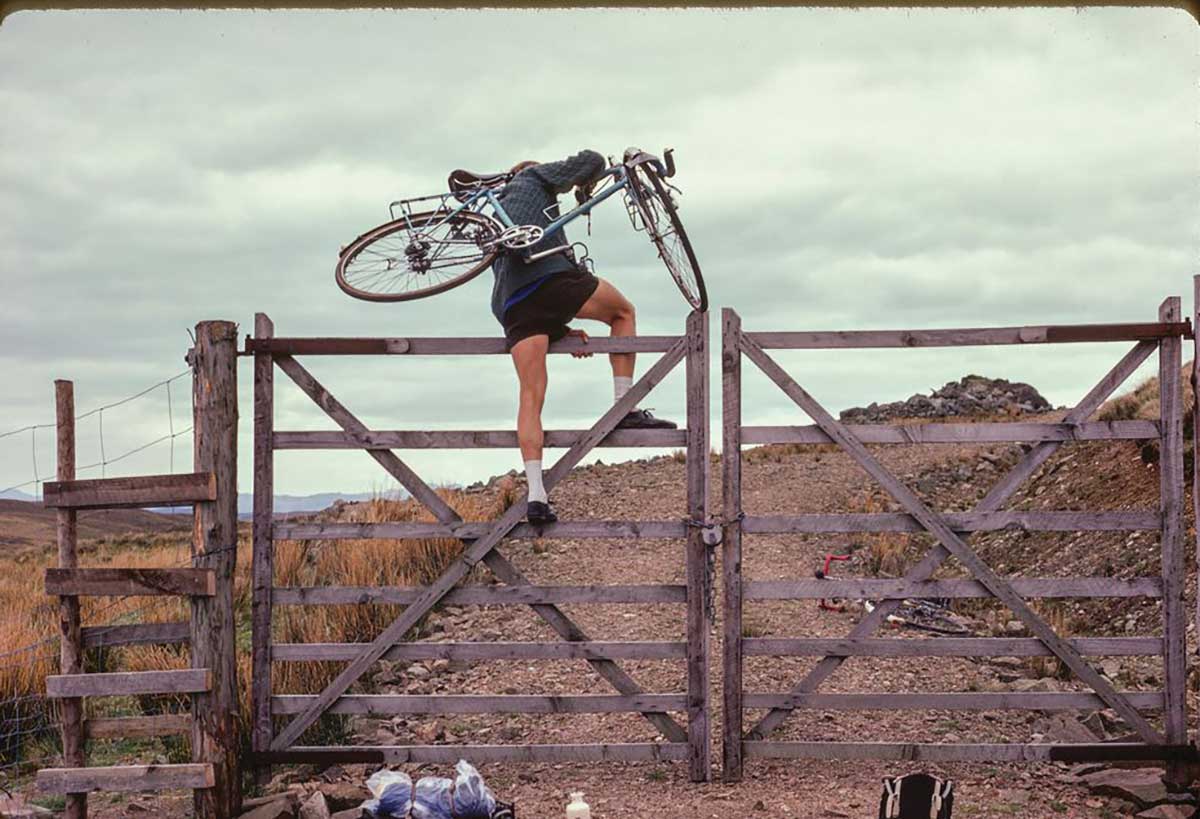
(916, 796)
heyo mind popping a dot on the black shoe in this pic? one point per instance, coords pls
(642, 419)
(539, 514)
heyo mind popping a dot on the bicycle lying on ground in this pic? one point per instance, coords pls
(921, 614)
(437, 242)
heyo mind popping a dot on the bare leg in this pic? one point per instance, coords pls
(529, 357)
(608, 305)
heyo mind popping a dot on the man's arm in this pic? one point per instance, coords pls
(580, 169)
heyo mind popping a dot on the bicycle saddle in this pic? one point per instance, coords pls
(462, 182)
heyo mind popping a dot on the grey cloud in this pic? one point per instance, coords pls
(977, 168)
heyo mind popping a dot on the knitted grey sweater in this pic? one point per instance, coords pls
(525, 199)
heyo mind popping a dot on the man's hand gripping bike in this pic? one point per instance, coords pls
(434, 243)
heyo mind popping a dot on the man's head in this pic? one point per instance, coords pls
(522, 165)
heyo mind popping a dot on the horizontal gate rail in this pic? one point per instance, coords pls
(123, 683)
(957, 521)
(480, 596)
(967, 337)
(985, 432)
(131, 582)
(562, 529)
(483, 703)
(154, 725)
(1058, 587)
(125, 778)
(946, 647)
(135, 634)
(948, 529)
(279, 346)
(129, 493)
(480, 541)
(972, 701)
(590, 650)
(449, 754)
(963, 752)
(482, 439)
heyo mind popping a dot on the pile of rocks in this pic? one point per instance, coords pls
(973, 395)
(323, 800)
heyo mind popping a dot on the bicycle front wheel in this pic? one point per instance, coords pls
(417, 255)
(662, 222)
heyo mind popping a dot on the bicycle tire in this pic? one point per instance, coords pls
(666, 232)
(401, 252)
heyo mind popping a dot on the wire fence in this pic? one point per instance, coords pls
(40, 461)
(29, 733)
(29, 728)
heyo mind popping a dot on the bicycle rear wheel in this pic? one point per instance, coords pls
(666, 231)
(417, 255)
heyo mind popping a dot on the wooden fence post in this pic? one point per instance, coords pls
(1171, 494)
(731, 541)
(698, 580)
(71, 636)
(263, 555)
(214, 546)
(1195, 386)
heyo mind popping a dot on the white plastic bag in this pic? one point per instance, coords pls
(472, 799)
(431, 799)
(393, 791)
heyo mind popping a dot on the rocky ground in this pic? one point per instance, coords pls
(789, 480)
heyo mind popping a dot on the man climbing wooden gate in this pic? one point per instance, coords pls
(280, 721)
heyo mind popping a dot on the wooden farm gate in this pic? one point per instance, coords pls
(950, 532)
(214, 773)
(481, 542)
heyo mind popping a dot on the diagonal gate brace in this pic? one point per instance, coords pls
(475, 551)
(950, 540)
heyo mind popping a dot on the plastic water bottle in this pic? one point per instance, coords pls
(578, 809)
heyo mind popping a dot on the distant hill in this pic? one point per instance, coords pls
(16, 494)
(284, 504)
(24, 524)
(290, 504)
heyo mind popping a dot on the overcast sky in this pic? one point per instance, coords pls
(840, 170)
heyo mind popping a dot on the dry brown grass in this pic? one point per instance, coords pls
(1143, 402)
(1055, 613)
(887, 553)
(28, 616)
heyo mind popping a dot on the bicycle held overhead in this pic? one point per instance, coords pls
(438, 242)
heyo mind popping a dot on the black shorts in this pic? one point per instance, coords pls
(546, 311)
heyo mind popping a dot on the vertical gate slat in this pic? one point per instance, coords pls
(262, 563)
(698, 579)
(70, 630)
(1171, 501)
(731, 542)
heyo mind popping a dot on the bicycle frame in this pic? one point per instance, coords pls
(484, 197)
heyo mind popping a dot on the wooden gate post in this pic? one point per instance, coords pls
(1195, 386)
(731, 541)
(1171, 499)
(698, 580)
(263, 572)
(214, 546)
(71, 636)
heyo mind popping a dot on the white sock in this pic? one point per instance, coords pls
(533, 474)
(621, 385)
